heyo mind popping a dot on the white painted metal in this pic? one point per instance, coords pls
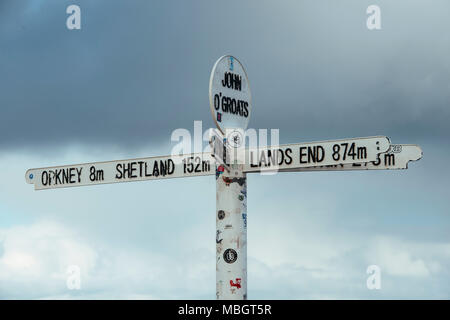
(398, 157)
(231, 234)
(283, 158)
(313, 154)
(229, 94)
(220, 150)
(189, 165)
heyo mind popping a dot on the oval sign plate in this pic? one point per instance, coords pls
(229, 94)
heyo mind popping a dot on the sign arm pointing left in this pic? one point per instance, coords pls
(164, 167)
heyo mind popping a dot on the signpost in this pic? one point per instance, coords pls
(230, 162)
(230, 104)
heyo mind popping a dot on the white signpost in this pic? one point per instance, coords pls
(229, 161)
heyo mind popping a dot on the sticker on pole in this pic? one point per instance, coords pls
(229, 94)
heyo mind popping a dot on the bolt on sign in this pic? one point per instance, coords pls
(230, 162)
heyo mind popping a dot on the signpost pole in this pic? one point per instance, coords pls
(231, 233)
(230, 105)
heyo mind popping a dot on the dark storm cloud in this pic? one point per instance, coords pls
(139, 69)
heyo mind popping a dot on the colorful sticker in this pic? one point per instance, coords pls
(227, 181)
(217, 237)
(244, 217)
(219, 171)
(240, 181)
(230, 256)
(236, 284)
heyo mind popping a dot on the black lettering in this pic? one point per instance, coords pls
(146, 172)
(72, 175)
(132, 170)
(224, 105)
(377, 162)
(271, 158)
(288, 153)
(231, 80)
(237, 82)
(162, 168)
(336, 154)
(79, 175)
(57, 176)
(170, 166)
(140, 168)
(262, 159)
(216, 102)
(316, 154)
(155, 169)
(302, 154)
(65, 176)
(312, 154)
(126, 170)
(233, 106)
(229, 107)
(44, 178)
(245, 109)
(320, 155)
(280, 159)
(389, 159)
(224, 80)
(119, 174)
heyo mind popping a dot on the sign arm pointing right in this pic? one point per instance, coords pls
(396, 158)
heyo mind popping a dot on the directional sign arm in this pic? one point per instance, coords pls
(189, 165)
(313, 154)
(397, 158)
(373, 153)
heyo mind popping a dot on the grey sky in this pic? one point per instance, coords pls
(139, 69)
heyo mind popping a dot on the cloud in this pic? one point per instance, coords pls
(36, 259)
(400, 258)
(310, 235)
(315, 70)
(408, 270)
